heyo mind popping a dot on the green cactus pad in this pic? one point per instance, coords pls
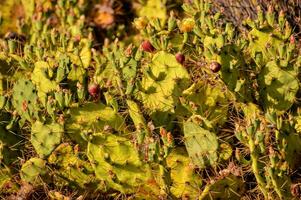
(85, 54)
(278, 87)
(229, 187)
(32, 169)
(135, 113)
(77, 73)
(41, 78)
(293, 150)
(262, 39)
(185, 182)
(71, 168)
(25, 99)
(46, 137)
(212, 101)
(202, 145)
(116, 161)
(9, 142)
(154, 9)
(163, 81)
(232, 68)
(130, 69)
(92, 116)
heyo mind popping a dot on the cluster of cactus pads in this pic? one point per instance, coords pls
(184, 106)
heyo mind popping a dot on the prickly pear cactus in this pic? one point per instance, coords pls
(9, 142)
(72, 169)
(46, 137)
(33, 169)
(201, 144)
(163, 81)
(82, 58)
(92, 117)
(41, 77)
(25, 99)
(185, 181)
(178, 103)
(117, 162)
(229, 187)
(278, 85)
(209, 101)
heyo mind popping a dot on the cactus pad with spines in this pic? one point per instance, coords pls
(41, 77)
(202, 145)
(32, 170)
(92, 117)
(117, 162)
(211, 101)
(185, 181)
(229, 187)
(278, 87)
(71, 168)
(179, 104)
(25, 99)
(164, 80)
(46, 137)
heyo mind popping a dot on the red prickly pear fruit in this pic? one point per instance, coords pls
(180, 58)
(147, 46)
(94, 89)
(215, 66)
(292, 39)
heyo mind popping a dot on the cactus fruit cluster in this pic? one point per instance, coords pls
(179, 102)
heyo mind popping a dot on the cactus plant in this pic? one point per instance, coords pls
(117, 162)
(230, 187)
(201, 145)
(8, 140)
(25, 99)
(41, 77)
(89, 118)
(72, 169)
(45, 137)
(163, 82)
(32, 170)
(278, 87)
(208, 101)
(185, 182)
(157, 114)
